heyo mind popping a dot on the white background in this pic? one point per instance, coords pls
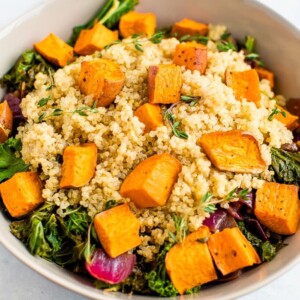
(17, 282)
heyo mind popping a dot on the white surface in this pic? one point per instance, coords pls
(19, 282)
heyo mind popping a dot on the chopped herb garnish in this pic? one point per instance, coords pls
(249, 46)
(180, 228)
(275, 112)
(43, 101)
(249, 43)
(192, 100)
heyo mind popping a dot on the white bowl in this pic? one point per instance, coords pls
(279, 45)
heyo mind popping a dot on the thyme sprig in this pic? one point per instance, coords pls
(224, 46)
(275, 112)
(82, 111)
(194, 38)
(43, 101)
(175, 125)
(209, 205)
(181, 228)
(191, 100)
(138, 39)
(251, 55)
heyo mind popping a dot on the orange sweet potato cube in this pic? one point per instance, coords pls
(137, 23)
(190, 264)
(164, 84)
(150, 183)
(277, 207)
(22, 193)
(6, 121)
(94, 39)
(289, 120)
(150, 115)
(102, 78)
(231, 251)
(245, 85)
(54, 49)
(79, 164)
(233, 151)
(189, 27)
(265, 74)
(191, 55)
(118, 230)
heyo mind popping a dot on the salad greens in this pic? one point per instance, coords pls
(55, 238)
(109, 15)
(286, 166)
(265, 249)
(21, 76)
(9, 163)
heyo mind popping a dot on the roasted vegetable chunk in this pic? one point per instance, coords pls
(189, 27)
(191, 55)
(234, 151)
(22, 193)
(101, 78)
(94, 39)
(289, 120)
(150, 115)
(265, 74)
(277, 207)
(118, 230)
(137, 23)
(231, 251)
(189, 263)
(245, 85)
(79, 164)
(6, 121)
(150, 183)
(55, 50)
(164, 84)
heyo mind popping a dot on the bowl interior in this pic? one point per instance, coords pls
(241, 17)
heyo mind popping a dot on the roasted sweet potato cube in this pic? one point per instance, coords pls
(79, 164)
(289, 120)
(277, 207)
(118, 230)
(94, 39)
(150, 115)
(150, 183)
(231, 251)
(191, 55)
(101, 78)
(54, 49)
(189, 27)
(164, 84)
(190, 264)
(137, 23)
(6, 121)
(22, 193)
(265, 74)
(245, 85)
(234, 151)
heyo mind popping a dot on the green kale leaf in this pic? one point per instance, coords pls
(9, 163)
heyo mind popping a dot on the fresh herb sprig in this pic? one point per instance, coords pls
(225, 46)
(251, 55)
(191, 100)
(82, 111)
(180, 229)
(194, 38)
(238, 194)
(43, 101)
(276, 112)
(137, 40)
(175, 125)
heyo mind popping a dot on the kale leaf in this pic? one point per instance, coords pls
(9, 163)
(286, 166)
(265, 249)
(109, 15)
(21, 76)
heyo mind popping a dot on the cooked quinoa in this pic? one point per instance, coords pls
(122, 144)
